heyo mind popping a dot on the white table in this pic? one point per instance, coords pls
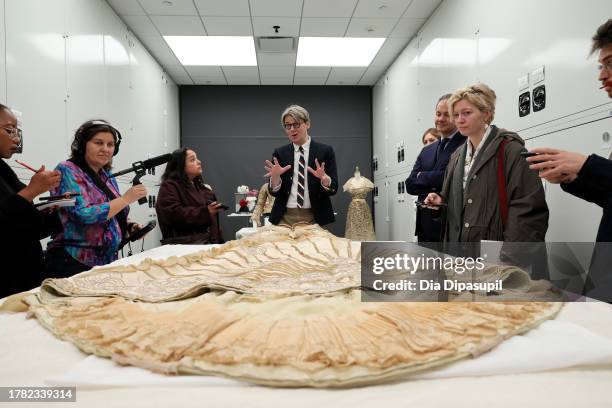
(32, 354)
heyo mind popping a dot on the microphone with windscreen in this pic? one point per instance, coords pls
(141, 167)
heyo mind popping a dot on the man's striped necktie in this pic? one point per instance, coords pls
(301, 178)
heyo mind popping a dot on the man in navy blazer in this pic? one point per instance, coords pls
(589, 178)
(428, 171)
(303, 174)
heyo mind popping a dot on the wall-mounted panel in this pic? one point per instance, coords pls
(381, 210)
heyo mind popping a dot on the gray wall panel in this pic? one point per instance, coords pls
(235, 128)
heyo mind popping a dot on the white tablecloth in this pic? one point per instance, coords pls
(580, 335)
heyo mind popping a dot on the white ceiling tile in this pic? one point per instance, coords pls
(223, 8)
(324, 27)
(327, 8)
(160, 50)
(178, 74)
(206, 75)
(393, 46)
(372, 75)
(370, 27)
(243, 81)
(204, 72)
(276, 59)
(140, 25)
(179, 25)
(407, 27)
(271, 8)
(368, 79)
(277, 81)
(241, 75)
(289, 27)
(383, 60)
(309, 81)
(177, 7)
(126, 7)
(228, 26)
(345, 75)
(421, 8)
(381, 8)
(310, 75)
(209, 81)
(181, 80)
(276, 75)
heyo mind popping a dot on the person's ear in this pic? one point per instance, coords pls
(487, 117)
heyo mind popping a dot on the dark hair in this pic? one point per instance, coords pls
(603, 36)
(433, 131)
(175, 169)
(443, 98)
(86, 132)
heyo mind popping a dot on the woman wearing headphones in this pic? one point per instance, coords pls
(95, 226)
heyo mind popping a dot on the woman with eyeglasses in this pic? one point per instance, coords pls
(489, 192)
(187, 209)
(23, 226)
(94, 228)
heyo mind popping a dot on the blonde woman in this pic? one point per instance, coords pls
(489, 193)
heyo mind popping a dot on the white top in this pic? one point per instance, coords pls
(471, 154)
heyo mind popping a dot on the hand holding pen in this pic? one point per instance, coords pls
(42, 180)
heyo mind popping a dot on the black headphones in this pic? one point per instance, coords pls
(87, 130)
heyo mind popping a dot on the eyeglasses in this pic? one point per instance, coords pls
(13, 133)
(607, 65)
(289, 126)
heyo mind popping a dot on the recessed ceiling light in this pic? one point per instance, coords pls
(213, 50)
(167, 3)
(337, 51)
(382, 7)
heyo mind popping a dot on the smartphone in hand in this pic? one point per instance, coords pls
(220, 205)
(524, 154)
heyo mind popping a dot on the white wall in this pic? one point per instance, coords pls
(496, 42)
(63, 62)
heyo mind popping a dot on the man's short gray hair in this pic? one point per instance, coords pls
(298, 113)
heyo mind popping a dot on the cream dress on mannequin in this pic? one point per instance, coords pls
(359, 225)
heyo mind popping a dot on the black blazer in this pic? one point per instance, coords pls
(319, 197)
(594, 184)
(23, 226)
(427, 177)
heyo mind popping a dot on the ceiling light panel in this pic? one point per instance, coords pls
(213, 50)
(337, 52)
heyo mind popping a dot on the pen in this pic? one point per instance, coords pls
(26, 166)
(59, 197)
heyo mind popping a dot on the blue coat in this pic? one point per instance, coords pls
(426, 177)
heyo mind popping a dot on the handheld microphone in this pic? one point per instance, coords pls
(145, 165)
(141, 167)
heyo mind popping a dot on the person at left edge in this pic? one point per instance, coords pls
(23, 226)
(95, 226)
